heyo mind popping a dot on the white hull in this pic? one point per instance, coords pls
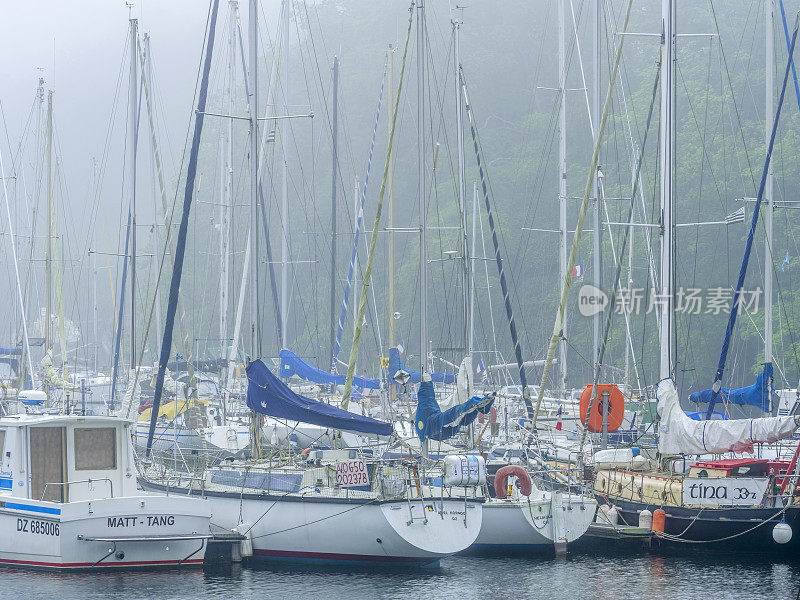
(544, 521)
(357, 531)
(113, 533)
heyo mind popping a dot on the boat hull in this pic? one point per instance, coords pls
(735, 529)
(108, 534)
(540, 524)
(342, 531)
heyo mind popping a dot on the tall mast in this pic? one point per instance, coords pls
(423, 203)
(596, 274)
(462, 191)
(390, 188)
(356, 289)
(255, 337)
(769, 116)
(285, 179)
(133, 95)
(226, 176)
(667, 329)
(562, 188)
(334, 173)
(49, 254)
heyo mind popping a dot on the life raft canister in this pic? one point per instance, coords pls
(502, 475)
(616, 407)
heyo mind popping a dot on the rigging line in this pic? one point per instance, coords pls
(690, 347)
(166, 346)
(733, 96)
(498, 259)
(749, 244)
(368, 273)
(557, 326)
(354, 251)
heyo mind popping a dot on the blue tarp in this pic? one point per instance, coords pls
(395, 364)
(291, 364)
(431, 423)
(758, 394)
(10, 351)
(268, 395)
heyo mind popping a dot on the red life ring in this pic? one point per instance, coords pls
(616, 408)
(502, 475)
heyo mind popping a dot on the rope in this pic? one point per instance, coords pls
(348, 384)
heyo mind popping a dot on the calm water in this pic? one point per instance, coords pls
(578, 576)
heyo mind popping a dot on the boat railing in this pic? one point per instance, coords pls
(89, 481)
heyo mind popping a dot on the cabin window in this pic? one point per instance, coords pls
(2, 441)
(96, 449)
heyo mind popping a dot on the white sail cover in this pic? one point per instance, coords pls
(679, 434)
(464, 385)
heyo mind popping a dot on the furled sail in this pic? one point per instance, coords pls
(680, 434)
(431, 423)
(291, 364)
(268, 395)
(760, 394)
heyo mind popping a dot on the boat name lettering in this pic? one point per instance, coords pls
(723, 491)
(37, 527)
(151, 521)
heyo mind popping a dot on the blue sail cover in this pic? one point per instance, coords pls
(759, 394)
(431, 423)
(268, 395)
(395, 364)
(291, 364)
(10, 351)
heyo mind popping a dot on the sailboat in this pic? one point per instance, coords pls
(731, 503)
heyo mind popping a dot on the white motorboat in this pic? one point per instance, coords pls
(69, 500)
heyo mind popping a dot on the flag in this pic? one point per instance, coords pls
(400, 348)
(558, 423)
(735, 217)
(785, 262)
(577, 271)
(480, 368)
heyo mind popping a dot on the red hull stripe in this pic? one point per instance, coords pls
(83, 565)
(338, 556)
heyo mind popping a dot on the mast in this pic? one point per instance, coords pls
(667, 329)
(769, 116)
(334, 172)
(133, 95)
(285, 178)
(226, 176)
(462, 191)
(49, 254)
(255, 337)
(562, 189)
(356, 290)
(596, 274)
(423, 204)
(390, 186)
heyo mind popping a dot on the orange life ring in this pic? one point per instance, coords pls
(616, 407)
(306, 451)
(502, 475)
